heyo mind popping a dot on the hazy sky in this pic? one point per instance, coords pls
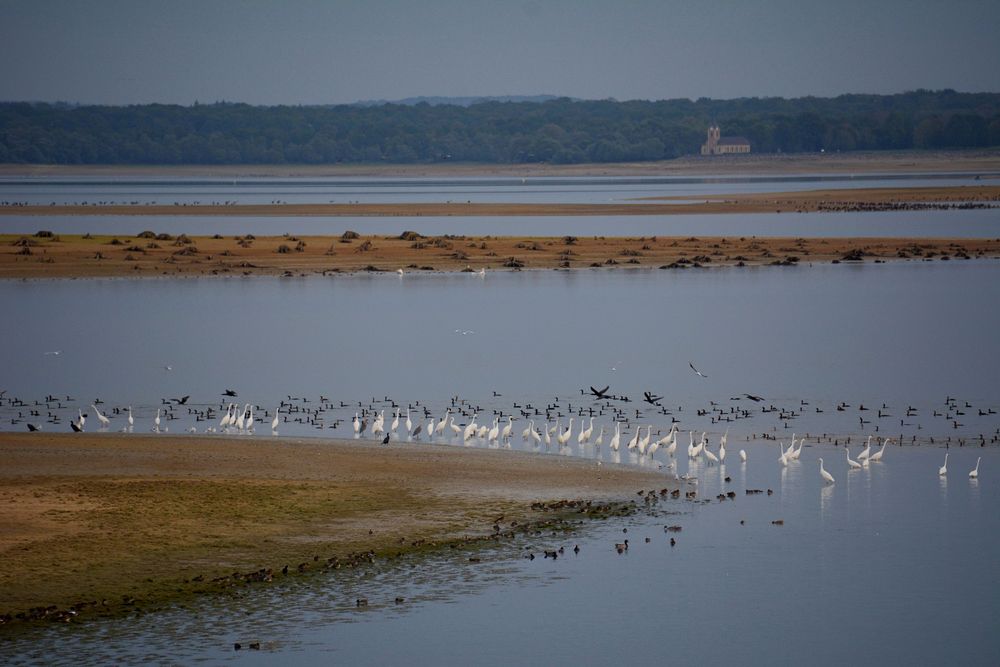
(320, 52)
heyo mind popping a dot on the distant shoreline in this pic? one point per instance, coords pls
(798, 163)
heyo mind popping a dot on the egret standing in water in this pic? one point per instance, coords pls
(105, 422)
(974, 473)
(274, 423)
(943, 470)
(827, 477)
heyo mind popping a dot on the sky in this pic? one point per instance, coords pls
(332, 52)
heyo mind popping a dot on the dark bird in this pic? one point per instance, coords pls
(34, 427)
(600, 393)
(229, 392)
(182, 400)
(652, 400)
(385, 440)
(756, 399)
(76, 427)
(697, 371)
(416, 430)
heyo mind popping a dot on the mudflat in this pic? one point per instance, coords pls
(164, 255)
(105, 520)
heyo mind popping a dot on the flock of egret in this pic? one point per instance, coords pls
(243, 420)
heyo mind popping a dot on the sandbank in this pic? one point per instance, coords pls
(102, 522)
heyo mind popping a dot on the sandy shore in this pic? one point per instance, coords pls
(66, 256)
(860, 199)
(824, 163)
(91, 518)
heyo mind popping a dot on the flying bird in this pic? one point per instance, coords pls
(599, 393)
(697, 371)
(229, 392)
(653, 400)
(182, 400)
(756, 399)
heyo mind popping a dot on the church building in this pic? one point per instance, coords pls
(718, 145)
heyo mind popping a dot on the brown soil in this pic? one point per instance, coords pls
(105, 256)
(106, 518)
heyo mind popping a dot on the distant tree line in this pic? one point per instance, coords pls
(558, 131)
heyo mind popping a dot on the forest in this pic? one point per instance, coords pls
(561, 130)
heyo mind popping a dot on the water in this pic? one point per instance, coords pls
(582, 190)
(577, 190)
(889, 564)
(982, 223)
(900, 334)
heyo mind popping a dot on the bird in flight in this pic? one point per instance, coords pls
(653, 400)
(697, 371)
(229, 392)
(181, 401)
(756, 399)
(599, 393)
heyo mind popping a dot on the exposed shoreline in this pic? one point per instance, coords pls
(75, 256)
(826, 163)
(128, 521)
(807, 201)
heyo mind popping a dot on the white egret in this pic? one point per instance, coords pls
(634, 442)
(105, 422)
(974, 473)
(430, 428)
(357, 424)
(851, 462)
(395, 422)
(672, 447)
(131, 421)
(943, 470)
(600, 437)
(274, 422)
(783, 458)
(526, 433)
(443, 424)
(156, 422)
(863, 456)
(616, 438)
(494, 431)
(409, 423)
(722, 448)
(471, 428)
(712, 458)
(827, 477)
(644, 441)
(743, 455)
(505, 433)
(877, 456)
(564, 437)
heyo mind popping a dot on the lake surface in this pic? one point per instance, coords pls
(902, 335)
(891, 564)
(575, 190)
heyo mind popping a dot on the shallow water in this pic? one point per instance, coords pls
(578, 190)
(896, 224)
(901, 335)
